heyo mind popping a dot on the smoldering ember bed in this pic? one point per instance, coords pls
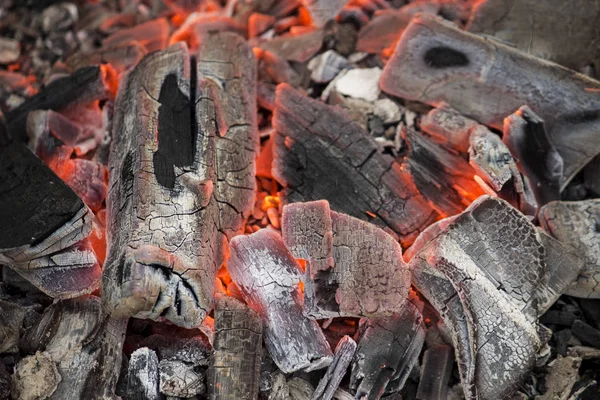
(299, 199)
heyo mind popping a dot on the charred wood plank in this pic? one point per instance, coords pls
(235, 367)
(182, 178)
(269, 278)
(576, 224)
(320, 154)
(354, 268)
(435, 62)
(342, 356)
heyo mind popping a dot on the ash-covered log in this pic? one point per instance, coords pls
(436, 62)
(269, 279)
(234, 371)
(82, 343)
(320, 154)
(576, 224)
(354, 268)
(343, 355)
(182, 178)
(388, 348)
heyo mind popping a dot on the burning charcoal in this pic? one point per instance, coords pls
(10, 50)
(326, 66)
(152, 34)
(354, 268)
(491, 158)
(164, 254)
(562, 376)
(576, 224)
(83, 343)
(425, 236)
(45, 242)
(280, 389)
(122, 56)
(591, 175)
(565, 35)
(13, 318)
(387, 350)
(180, 379)
(387, 110)
(435, 61)
(300, 389)
(382, 31)
(481, 274)
(586, 333)
(235, 367)
(323, 11)
(359, 83)
(142, 377)
(35, 377)
(450, 127)
(59, 17)
(83, 86)
(299, 48)
(344, 352)
(538, 160)
(320, 154)
(268, 277)
(435, 373)
(198, 26)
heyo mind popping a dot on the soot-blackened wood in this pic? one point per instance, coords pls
(44, 227)
(560, 32)
(435, 373)
(449, 127)
(320, 154)
(354, 268)
(269, 279)
(182, 178)
(142, 376)
(322, 11)
(344, 352)
(84, 343)
(387, 350)
(481, 274)
(83, 86)
(577, 224)
(527, 140)
(486, 80)
(235, 366)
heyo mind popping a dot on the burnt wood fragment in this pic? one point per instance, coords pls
(449, 127)
(235, 366)
(320, 154)
(437, 62)
(299, 48)
(342, 356)
(182, 178)
(323, 11)
(179, 378)
(142, 376)
(269, 278)
(354, 268)
(586, 333)
(435, 373)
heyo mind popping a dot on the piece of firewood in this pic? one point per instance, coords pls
(182, 178)
(323, 11)
(342, 356)
(235, 366)
(354, 268)
(435, 61)
(83, 342)
(320, 154)
(561, 32)
(388, 348)
(269, 279)
(575, 223)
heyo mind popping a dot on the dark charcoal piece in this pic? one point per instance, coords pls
(83, 86)
(323, 11)
(387, 350)
(354, 268)
(587, 334)
(591, 176)
(487, 81)
(344, 352)
(235, 366)
(435, 373)
(321, 154)
(142, 376)
(268, 277)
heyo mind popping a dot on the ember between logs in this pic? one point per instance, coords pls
(299, 199)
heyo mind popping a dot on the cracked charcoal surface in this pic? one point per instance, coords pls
(268, 277)
(577, 224)
(321, 154)
(169, 226)
(142, 376)
(497, 81)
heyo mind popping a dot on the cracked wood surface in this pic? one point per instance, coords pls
(269, 277)
(182, 178)
(577, 224)
(436, 62)
(320, 153)
(354, 268)
(235, 365)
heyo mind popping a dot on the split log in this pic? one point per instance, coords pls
(435, 62)
(575, 223)
(83, 343)
(142, 376)
(388, 348)
(559, 32)
(320, 153)
(44, 241)
(343, 355)
(323, 11)
(354, 268)
(481, 274)
(435, 373)
(268, 277)
(176, 196)
(235, 367)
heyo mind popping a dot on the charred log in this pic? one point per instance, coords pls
(344, 352)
